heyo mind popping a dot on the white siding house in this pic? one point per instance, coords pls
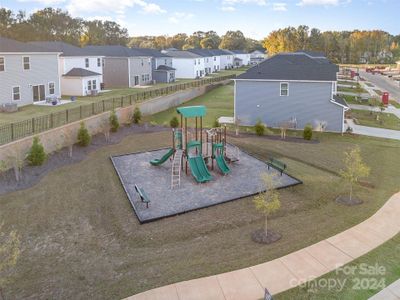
(187, 64)
(81, 71)
(241, 58)
(208, 59)
(28, 73)
(226, 59)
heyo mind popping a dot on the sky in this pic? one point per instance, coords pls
(255, 18)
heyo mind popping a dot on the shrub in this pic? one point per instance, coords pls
(84, 137)
(216, 124)
(259, 128)
(114, 123)
(36, 155)
(174, 123)
(137, 115)
(307, 132)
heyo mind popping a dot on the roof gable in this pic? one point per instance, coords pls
(293, 66)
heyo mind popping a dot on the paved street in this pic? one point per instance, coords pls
(384, 83)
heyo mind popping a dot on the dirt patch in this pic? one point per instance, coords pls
(345, 200)
(366, 184)
(259, 236)
(32, 175)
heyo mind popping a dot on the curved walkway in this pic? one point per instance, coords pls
(289, 271)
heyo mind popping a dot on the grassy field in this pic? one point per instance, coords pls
(358, 89)
(386, 256)
(219, 102)
(386, 120)
(80, 238)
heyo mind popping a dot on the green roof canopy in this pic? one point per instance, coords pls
(192, 111)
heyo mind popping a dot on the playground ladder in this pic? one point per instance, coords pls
(176, 169)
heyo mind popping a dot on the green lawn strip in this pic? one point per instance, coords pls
(367, 118)
(219, 102)
(394, 103)
(357, 285)
(358, 90)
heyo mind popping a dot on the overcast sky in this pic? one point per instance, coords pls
(256, 18)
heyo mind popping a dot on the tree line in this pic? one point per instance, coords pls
(53, 24)
(372, 46)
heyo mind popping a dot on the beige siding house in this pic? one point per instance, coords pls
(123, 67)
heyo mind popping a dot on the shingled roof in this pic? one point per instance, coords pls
(150, 52)
(293, 66)
(9, 45)
(116, 51)
(182, 54)
(79, 72)
(64, 48)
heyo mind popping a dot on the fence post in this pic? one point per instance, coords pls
(122, 101)
(67, 115)
(12, 131)
(80, 111)
(103, 106)
(33, 125)
(130, 99)
(51, 120)
(113, 103)
(93, 108)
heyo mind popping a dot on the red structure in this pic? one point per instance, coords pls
(385, 98)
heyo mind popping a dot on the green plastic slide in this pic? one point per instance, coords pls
(199, 169)
(157, 162)
(222, 165)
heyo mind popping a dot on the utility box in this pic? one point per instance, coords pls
(385, 98)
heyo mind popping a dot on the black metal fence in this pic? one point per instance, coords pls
(13, 131)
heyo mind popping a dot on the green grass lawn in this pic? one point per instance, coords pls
(358, 89)
(80, 238)
(386, 120)
(219, 102)
(386, 256)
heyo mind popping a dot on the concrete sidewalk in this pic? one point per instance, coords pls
(289, 271)
(373, 131)
(392, 292)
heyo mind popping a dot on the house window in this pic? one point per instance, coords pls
(16, 93)
(87, 62)
(215, 58)
(2, 64)
(103, 62)
(89, 85)
(284, 89)
(195, 62)
(142, 77)
(165, 62)
(199, 61)
(142, 62)
(94, 85)
(51, 88)
(26, 61)
(99, 62)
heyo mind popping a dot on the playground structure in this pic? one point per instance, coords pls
(196, 150)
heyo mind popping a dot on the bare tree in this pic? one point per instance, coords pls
(17, 158)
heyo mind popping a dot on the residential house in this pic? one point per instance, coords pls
(291, 89)
(123, 67)
(225, 57)
(81, 71)
(28, 73)
(209, 59)
(161, 65)
(187, 64)
(257, 56)
(241, 58)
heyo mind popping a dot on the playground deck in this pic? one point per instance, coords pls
(243, 180)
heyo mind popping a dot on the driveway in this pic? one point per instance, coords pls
(373, 131)
(384, 83)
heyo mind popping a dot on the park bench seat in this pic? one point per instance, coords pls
(143, 196)
(276, 164)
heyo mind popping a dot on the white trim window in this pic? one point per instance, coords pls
(86, 62)
(26, 62)
(99, 62)
(89, 85)
(94, 85)
(52, 88)
(284, 89)
(16, 93)
(2, 64)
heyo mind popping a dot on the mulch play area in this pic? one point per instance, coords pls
(243, 180)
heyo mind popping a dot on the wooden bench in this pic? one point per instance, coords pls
(143, 196)
(276, 164)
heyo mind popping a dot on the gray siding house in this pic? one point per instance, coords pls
(161, 65)
(123, 67)
(28, 73)
(291, 88)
